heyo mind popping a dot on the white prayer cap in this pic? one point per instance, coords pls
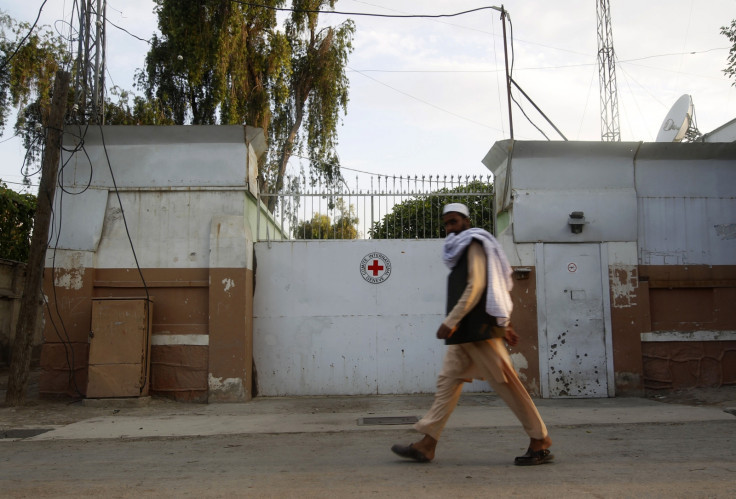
(456, 207)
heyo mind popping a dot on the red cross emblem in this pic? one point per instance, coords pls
(375, 268)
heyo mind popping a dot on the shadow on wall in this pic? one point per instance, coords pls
(12, 278)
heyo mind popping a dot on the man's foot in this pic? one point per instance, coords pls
(409, 452)
(537, 453)
(534, 457)
(421, 451)
(537, 444)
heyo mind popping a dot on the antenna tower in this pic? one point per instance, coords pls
(89, 81)
(610, 131)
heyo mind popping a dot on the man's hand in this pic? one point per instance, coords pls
(511, 337)
(506, 332)
(444, 332)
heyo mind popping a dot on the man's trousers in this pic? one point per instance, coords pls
(488, 360)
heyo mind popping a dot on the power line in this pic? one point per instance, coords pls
(20, 44)
(126, 31)
(425, 102)
(564, 66)
(366, 14)
(10, 138)
(18, 183)
(428, 70)
(673, 54)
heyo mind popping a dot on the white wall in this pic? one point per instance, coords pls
(169, 229)
(687, 208)
(321, 329)
(156, 156)
(550, 180)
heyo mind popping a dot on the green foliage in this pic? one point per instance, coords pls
(730, 33)
(26, 84)
(422, 216)
(321, 227)
(131, 109)
(29, 74)
(27, 79)
(212, 54)
(215, 62)
(225, 62)
(318, 94)
(16, 224)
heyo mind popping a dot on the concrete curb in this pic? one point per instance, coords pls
(301, 416)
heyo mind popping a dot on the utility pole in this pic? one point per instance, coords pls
(28, 315)
(504, 16)
(610, 131)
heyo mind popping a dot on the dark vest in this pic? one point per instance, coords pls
(477, 325)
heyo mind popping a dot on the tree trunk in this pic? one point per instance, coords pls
(30, 301)
(284, 160)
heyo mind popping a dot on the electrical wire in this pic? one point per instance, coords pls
(426, 102)
(527, 116)
(126, 31)
(135, 258)
(533, 68)
(19, 183)
(10, 138)
(537, 108)
(20, 44)
(587, 100)
(498, 83)
(65, 340)
(72, 152)
(56, 235)
(365, 14)
(427, 70)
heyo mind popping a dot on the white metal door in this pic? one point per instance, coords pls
(573, 325)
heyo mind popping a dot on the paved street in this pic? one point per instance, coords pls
(628, 460)
(318, 447)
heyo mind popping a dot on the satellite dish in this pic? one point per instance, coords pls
(676, 123)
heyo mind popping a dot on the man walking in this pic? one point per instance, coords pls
(477, 323)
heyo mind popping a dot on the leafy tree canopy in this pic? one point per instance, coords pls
(29, 60)
(730, 33)
(16, 223)
(321, 227)
(219, 61)
(422, 216)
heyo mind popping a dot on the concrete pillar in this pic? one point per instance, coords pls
(230, 310)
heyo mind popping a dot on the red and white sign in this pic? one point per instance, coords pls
(375, 267)
(571, 267)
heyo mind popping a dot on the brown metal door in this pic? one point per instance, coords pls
(119, 349)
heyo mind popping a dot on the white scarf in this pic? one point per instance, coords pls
(498, 299)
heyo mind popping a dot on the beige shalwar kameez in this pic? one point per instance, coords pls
(488, 360)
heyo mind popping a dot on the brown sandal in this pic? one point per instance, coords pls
(409, 452)
(534, 457)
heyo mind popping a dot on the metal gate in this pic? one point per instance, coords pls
(574, 321)
(349, 317)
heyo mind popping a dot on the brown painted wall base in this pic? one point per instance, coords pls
(58, 360)
(186, 305)
(524, 318)
(675, 365)
(629, 317)
(179, 372)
